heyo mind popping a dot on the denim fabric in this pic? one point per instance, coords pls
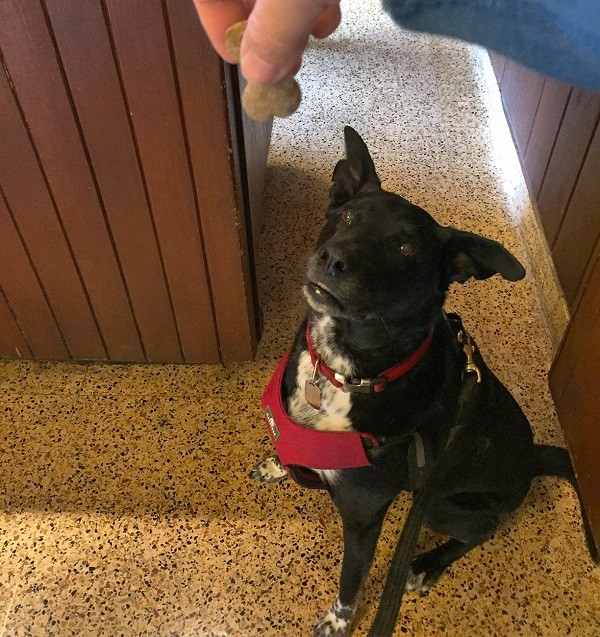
(560, 38)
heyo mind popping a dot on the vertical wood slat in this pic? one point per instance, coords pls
(521, 91)
(102, 112)
(569, 152)
(19, 282)
(146, 70)
(550, 112)
(12, 343)
(581, 225)
(221, 210)
(35, 72)
(498, 64)
(35, 215)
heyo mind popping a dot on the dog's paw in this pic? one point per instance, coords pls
(268, 470)
(414, 581)
(422, 581)
(336, 622)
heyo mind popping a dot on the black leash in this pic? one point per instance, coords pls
(391, 599)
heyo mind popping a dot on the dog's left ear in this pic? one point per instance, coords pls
(469, 255)
(355, 173)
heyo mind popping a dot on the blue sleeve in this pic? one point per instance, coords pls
(560, 38)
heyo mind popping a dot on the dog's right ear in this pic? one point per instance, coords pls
(355, 173)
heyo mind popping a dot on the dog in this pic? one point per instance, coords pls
(376, 286)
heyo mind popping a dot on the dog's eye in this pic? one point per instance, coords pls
(350, 216)
(407, 250)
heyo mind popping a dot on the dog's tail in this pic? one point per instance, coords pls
(555, 461)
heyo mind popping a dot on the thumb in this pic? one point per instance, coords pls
(277, 34)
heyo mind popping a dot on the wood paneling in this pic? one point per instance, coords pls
(498, 64)
(28, 301)
(96, 92)
(222, 224)
(144, 59)
(551, 109)
(25, 189)
(124, 186)
(580, 230)
(569, 152)
(12, 343)
(521, 91)
(561, 160)
(574, 384)
(36, 75)
(562, 163)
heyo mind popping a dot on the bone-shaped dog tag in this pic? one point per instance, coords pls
(312, 393)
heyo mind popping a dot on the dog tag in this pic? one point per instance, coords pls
(312, 393)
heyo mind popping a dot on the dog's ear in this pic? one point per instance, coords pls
(469, 255)
(355, 173)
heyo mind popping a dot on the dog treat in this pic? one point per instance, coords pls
(233, 39)
(262, 101)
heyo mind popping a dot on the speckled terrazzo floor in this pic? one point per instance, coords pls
(125, 506)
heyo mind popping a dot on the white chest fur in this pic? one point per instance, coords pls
(333, 414)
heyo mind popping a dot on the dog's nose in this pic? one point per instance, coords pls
(334, 260)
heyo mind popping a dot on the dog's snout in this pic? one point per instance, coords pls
(334, 260)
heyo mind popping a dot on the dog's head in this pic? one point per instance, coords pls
(379, 256)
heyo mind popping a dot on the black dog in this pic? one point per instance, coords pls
(376, 287)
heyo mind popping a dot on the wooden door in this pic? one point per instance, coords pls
(123, 210)
(575, 386)
(575, 375)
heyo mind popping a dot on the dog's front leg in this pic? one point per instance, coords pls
(362, 526)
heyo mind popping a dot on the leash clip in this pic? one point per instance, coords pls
(469, 349)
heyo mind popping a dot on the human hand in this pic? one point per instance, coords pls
(276, 35)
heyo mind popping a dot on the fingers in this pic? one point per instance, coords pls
(216, 16)
(327, 22)
(277, 34)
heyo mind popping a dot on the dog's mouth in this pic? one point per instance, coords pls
(320, 295)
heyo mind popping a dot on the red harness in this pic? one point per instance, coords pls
(300, 446)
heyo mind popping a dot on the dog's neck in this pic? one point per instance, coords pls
(369, 346)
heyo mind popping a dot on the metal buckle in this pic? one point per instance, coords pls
(469, 349)
(362, 385)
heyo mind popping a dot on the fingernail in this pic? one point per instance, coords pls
(255, 69)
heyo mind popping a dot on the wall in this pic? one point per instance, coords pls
(123, 203)
(555, 127)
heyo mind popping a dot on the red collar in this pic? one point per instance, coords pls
(366, 385)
